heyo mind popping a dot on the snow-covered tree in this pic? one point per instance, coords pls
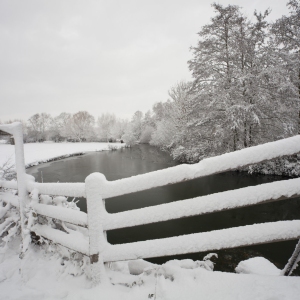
(106, 123)
(119, 128)
(129, 137)
(59, 126)
(38, 126)
(163, 136)
(146, 134)
(172, 131)
(287, 38)
(239, 83)
(137, 124)
(81, 126)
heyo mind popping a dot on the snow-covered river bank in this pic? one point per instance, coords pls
(36, 153)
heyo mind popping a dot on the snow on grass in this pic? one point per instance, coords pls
(44, 276)
(36, 153)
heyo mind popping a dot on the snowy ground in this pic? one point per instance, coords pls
(44, 277)
(36, 153)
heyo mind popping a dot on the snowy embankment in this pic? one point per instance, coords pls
(46, 276)
(36, 153)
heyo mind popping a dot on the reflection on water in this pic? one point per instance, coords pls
(144, 158)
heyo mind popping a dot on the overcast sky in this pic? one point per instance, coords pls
(115, 56)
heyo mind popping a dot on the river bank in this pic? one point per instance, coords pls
(38, 153)
(288, 166)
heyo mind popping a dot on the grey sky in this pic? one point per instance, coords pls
(100, 56)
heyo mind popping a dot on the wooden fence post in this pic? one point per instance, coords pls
(93, 187)
(16, 129)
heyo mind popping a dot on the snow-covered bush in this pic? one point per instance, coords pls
(146, 135)
(72, 262)
(9, 223)
(10, 227)
(112, 147)
(163, 136)
(7, 170)
(129, 139)
(9, 215)
(286, 166)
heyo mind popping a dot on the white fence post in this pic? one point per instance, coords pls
(93, 186)
(16, 129)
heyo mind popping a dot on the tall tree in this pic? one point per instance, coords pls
(287, 37)
(39, 124)
(82, 126)
(239, 84)
(60, 126)
(106, 123)
(133, 130)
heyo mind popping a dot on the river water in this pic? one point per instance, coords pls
(144, 158)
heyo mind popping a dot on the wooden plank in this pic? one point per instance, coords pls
(75, 242)
(58, 189)
(206, 241)
(68, 215)
(209, 166)
(253, 195)
(5, 133)
(9, 184)
(10, 198)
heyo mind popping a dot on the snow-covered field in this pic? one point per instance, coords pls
(36, 153)
(44, 276)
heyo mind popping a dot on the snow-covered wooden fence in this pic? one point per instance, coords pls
(96, 188)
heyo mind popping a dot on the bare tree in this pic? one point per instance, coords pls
(39, 124)
(60, 125)
(106, 123)
(81, 126)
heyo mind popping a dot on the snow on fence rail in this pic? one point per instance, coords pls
(96, 188)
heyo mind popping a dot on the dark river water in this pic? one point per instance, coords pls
(144, 158)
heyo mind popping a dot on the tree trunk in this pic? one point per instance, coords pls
(299, 123)
(299, 100)
(245, 135)
(235, 140)
(250, 135)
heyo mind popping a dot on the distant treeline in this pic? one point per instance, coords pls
(82, 127)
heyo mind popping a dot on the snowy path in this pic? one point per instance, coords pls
(36, 153)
